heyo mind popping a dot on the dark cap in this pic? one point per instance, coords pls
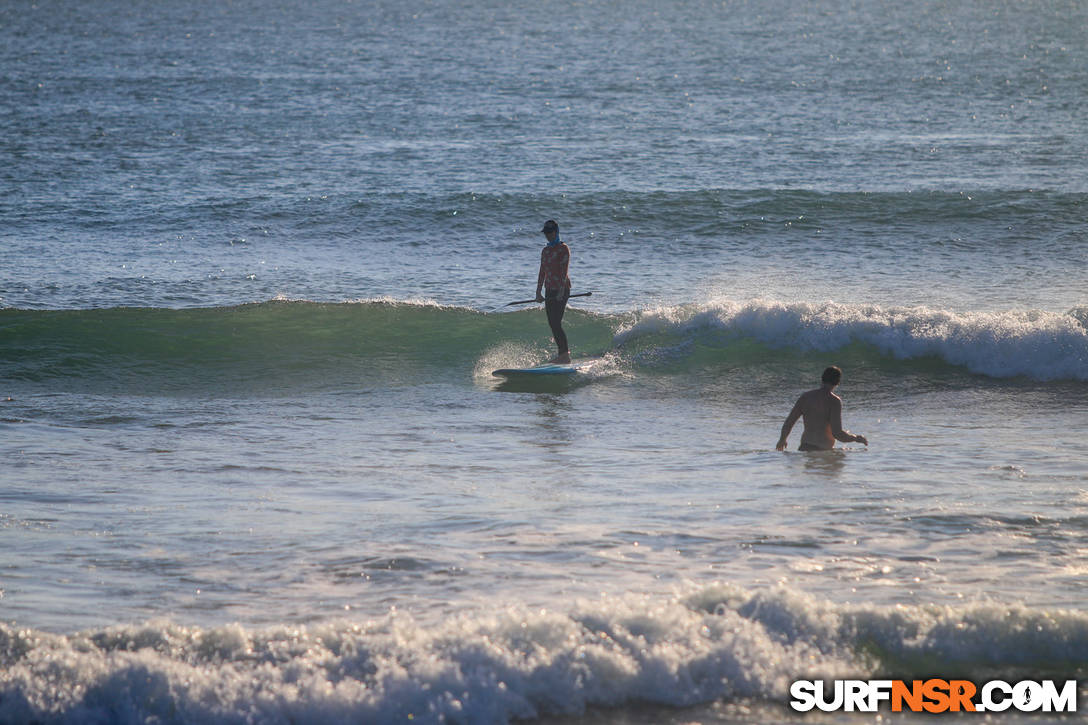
(550, 226)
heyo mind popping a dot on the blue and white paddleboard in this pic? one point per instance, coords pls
(578, 366)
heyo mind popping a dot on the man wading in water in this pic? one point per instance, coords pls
(822, 410)
(554, 260)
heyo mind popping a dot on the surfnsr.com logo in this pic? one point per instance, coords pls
(933, 696)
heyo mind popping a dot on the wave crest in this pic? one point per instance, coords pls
(298, 345)
(1032, 343)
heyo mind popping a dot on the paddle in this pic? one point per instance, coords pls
(525, 302)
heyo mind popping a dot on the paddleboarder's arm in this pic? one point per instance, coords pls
(563, 265)
(540, 279)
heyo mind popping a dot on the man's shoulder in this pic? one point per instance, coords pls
(819, 396)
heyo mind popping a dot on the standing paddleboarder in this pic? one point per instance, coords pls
(554, 261)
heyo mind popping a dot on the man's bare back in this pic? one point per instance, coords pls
(822, 413)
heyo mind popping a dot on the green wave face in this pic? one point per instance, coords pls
(267, 346)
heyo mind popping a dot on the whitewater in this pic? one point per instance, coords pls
(255, 260)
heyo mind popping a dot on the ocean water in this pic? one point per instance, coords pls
(254, 266)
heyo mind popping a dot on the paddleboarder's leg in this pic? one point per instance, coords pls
(555, 307)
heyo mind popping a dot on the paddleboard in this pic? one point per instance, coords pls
(578, 366)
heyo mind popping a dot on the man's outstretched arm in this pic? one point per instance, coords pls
(843, 436)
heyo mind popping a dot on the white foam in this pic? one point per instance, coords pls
(711, 643)
(1040, 345)
(507, 355)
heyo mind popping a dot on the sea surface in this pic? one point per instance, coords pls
(255, 260)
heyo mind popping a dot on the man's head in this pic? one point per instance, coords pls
(831, 376)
